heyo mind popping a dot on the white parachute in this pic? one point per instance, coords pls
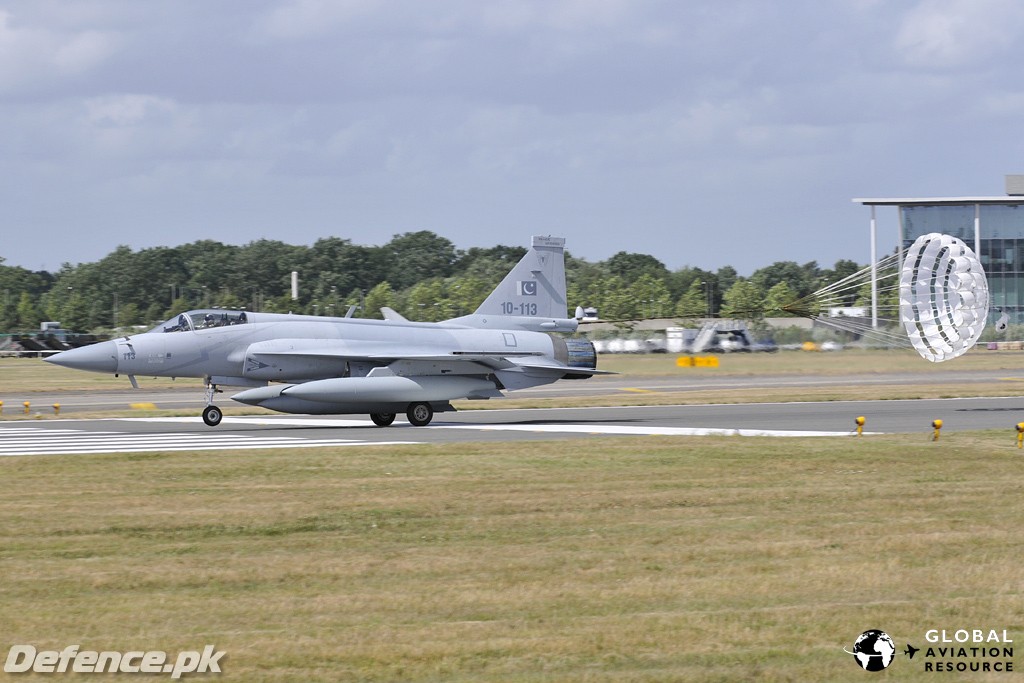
(943, 297)
(937, 291)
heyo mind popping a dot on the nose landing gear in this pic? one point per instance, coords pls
(211, 414)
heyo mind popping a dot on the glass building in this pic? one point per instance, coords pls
(992, 226)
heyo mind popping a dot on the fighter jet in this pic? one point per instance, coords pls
(319, 365)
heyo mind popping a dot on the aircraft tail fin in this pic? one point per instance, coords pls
(533, 293)
(535, 287)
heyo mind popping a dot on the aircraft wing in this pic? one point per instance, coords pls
(497, 359)
(413, 360)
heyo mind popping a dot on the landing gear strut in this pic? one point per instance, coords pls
(211, 414)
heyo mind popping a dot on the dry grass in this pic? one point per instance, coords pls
(19, 375)
(646, 559)
(847, 362)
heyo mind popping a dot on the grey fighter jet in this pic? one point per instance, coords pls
(330, 366)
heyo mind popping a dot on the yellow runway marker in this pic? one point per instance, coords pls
(143, 406)
(639, 391)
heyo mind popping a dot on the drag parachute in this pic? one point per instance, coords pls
(937, 291)
(943, 297)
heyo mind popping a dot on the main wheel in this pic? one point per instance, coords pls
(212, 415)
(419, 414)
(382, 419)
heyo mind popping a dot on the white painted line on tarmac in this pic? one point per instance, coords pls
(645, 431)
(42, 441)
(590, 428)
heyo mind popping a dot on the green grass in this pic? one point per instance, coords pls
(643, 559)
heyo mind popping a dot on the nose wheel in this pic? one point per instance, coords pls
(212, 415)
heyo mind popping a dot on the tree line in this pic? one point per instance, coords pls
(420, 274)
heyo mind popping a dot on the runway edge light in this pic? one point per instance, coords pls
(859, 421)
(1020, 435)
(937, 426)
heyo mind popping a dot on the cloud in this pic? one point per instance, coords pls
(31, 57)
(302, 19)
(951, 34)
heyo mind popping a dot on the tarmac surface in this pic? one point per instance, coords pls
(160, 434)
(833, 418)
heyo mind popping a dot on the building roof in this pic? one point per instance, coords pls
(940, 201)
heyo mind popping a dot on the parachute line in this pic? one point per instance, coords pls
(938, 291)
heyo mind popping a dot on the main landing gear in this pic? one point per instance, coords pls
(211, 414)
(418, 414)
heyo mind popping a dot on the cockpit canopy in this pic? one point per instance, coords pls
(202, 319)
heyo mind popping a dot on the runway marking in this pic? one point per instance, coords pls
(638, 391)
(625, 430)
(618, 430)
(33, 440)
(269, 421)
(42, 441)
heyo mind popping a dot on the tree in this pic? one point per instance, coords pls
(266, 266)
(28, 316)
(585, 283)
(781, 294)
(725, 277)
(465, 293)
(129, 315)
(417, 256)
(426, 302)
(630, 267)
(843, 269)
(743, 300)
(694, 302)
(335, 262)
(801, 279)
(378, 297)
(650, 297)
(616, 302)
(489, 265)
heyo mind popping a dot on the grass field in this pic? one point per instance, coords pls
(645, 559)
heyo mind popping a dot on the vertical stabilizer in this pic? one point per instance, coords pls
(533, 293)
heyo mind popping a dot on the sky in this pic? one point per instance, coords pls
(703, 132)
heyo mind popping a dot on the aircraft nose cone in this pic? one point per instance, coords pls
(100, 357)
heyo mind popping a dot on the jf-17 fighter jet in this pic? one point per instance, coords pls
(318, 365)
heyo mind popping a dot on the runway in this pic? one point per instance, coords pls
(834, 419)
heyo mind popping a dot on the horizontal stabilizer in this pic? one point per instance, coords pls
(392, 314)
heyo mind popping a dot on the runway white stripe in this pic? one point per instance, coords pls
(610, 429)
(622, 430)
(39, 441)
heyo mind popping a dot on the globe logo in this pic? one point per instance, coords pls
(874, 650)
